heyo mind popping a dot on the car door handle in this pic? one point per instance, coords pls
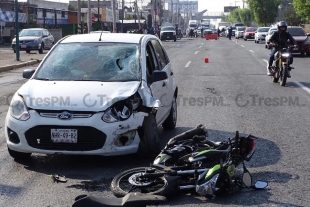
(164, 84)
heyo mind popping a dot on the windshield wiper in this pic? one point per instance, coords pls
(46, 79)
(86, 80)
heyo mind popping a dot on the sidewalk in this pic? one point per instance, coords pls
(8, 58)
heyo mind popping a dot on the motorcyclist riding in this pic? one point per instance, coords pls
(280, 37)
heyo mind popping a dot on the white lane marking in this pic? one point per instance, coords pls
(196, 52)
(251, 50)
(242, 45)
(187, 64)
(302, 86)
(199, 46)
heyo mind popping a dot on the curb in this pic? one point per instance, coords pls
(15, 66)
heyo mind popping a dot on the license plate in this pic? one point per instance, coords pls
(295, 49)
(64, 135)
(168, 37)
(23, 46)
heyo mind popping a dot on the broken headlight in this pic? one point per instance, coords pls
(121, 110)
(208, 187)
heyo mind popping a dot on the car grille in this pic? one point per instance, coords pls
(88, 138)
(168, 33)
(25, 41)
(54, 113)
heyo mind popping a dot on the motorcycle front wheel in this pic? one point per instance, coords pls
(283, 75)
(121, 185)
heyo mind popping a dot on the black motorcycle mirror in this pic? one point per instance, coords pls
(246, 177)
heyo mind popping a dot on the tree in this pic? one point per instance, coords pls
(240, 15)
(290, 16)
(71, 8)
(84, 4)
(302, 8)
(264, 11)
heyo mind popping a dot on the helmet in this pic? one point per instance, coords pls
(282, 24)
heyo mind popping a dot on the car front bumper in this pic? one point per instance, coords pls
(94, 137)
(249, 37)
(27, 46)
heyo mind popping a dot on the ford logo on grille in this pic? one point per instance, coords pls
(64, 116)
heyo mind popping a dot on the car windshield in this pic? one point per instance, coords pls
(240, 28)
(272, 31)
(106, 62)
(31, 32)
(263, 29)
(167, 28)
(252, 29)
(296, 31)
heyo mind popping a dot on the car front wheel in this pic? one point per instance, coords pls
(41, 49)
(149, 139)
(171, 120)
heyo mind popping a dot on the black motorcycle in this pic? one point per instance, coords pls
(280, 65)
(207, 170)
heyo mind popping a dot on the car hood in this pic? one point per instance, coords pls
(300, 38)
(75, 95)
(262, 33)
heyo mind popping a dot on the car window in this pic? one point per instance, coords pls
(263, 29)
(272, 31)
(296, 31)
(167, 28)
(151, 62)
(241, 28)
(162, 59)
(104, 61)
(30, 32)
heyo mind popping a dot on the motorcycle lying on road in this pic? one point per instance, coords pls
(281, 65)
(191, 163)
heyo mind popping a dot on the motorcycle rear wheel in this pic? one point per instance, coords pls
(283, 76)
(151, 189)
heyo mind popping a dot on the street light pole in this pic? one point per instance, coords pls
(16, 31)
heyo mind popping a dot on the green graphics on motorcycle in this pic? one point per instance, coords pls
(210, 156)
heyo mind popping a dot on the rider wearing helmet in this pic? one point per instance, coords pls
(280, 37)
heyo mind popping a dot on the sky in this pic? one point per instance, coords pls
(210, 5)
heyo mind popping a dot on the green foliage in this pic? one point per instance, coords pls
(290, 16)
(240, 15)
(264, 11)
(302, 8)
(71, 8)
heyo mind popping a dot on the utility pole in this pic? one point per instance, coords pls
(16, 31)
(98, 12)
(122, 27)
(79, 17)
(114, 15)
(137, 13)
(89, 17)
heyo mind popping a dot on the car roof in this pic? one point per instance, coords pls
(107, 37)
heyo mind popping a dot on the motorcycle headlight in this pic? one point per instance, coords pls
(208, 187)
(18, 109)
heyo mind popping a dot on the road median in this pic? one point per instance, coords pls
(20, 65)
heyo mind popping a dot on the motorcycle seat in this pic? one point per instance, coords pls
(130, 200)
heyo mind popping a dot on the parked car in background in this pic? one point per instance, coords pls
(95, 97)
(270, 32)
(34, 39)
(260, 34)
(168, 33)
(239, 32)
(249, 33)
(302, 40)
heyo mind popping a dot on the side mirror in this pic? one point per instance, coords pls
(247, 179)
(28, 73)
(159, 76)
(308, 34)
(260, 185)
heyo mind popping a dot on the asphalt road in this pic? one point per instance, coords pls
(230, 93)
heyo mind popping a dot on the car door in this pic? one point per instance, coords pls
(156, 87)
(48, 38)
(164, 65)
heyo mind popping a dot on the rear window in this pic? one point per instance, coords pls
(296, 31)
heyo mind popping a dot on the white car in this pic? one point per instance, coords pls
(260, 34)
(269, 34)
(239, 32)
(103, 31)
(94, 96)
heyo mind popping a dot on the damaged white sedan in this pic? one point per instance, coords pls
(94, 95)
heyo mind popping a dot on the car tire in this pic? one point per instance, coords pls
(171, 120)
(27, 51)
(149, 139)
(308, 54)
(175, 39)
(257, 42)
(14, 51)
(19, 155)
(41, 49)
